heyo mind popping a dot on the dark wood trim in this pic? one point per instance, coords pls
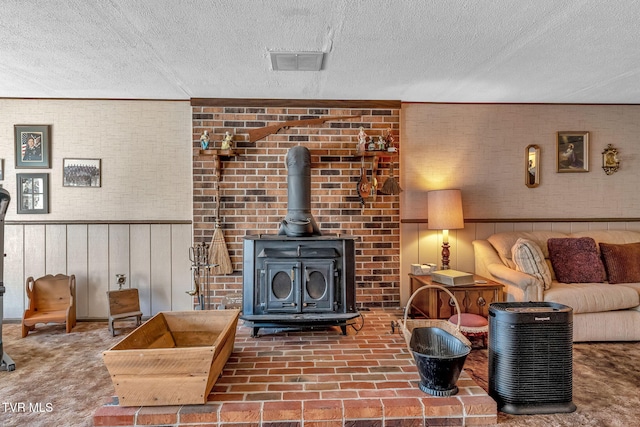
(98, 99)
(504, 220)
(293, 103)
(55, 222)
(518, 103)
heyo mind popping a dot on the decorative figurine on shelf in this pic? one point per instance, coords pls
(389, 138)
(362, 140)
(204, 140)
(227, 141)
(381, 143)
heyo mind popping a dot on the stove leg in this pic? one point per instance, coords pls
(344, 329)
(254, 332)
(6, 363)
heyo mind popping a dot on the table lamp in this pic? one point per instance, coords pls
(444, 212)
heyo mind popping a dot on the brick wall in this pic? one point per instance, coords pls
(253, 184)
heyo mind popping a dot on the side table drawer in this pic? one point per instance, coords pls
(474, 301)
(435, 303)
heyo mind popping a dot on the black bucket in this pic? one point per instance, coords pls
(439, 357)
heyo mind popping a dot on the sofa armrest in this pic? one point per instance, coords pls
(518, 286)
(484, 255)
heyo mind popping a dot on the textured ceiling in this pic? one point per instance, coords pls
(575, 51)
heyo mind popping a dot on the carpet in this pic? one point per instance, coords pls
(606, 385)
(61, 379)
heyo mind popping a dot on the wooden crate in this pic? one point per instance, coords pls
(174, 358)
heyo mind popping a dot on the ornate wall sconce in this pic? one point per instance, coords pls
(610, 162)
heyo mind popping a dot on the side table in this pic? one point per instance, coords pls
(436, 304)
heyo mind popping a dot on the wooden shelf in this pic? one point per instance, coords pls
(225, 153)
(216, 154)
(376, 154)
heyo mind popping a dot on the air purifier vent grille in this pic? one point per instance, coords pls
(530, 358)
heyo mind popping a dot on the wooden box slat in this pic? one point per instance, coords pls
(170, 390)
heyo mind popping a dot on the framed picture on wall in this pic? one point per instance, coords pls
(81, 172)
(572, 152)
(1, 169)
(32, 146)
(33, 193)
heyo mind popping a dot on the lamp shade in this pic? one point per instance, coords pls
(444, 210)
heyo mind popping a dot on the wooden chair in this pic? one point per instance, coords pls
(123, 303)
(52, 299)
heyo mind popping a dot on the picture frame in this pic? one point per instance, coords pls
(33, 193)
(32, 146)
(1, 169)
(572, 151)
(81, 172)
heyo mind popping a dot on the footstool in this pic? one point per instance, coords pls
(474, 327)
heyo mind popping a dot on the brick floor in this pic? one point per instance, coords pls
(319, 378)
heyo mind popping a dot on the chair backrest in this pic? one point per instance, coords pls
(52, 292)
(123, 301)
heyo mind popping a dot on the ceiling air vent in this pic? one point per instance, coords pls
(296, 61)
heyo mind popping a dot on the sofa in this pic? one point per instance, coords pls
(595, 272)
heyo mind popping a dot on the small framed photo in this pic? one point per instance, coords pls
(81, 172)
(33, 145)
(33, 193)
(1, 169)
(572, 152)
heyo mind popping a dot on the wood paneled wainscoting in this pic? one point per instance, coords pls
(153, 255)
(421, 245)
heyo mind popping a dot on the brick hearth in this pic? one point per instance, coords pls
(319, 378)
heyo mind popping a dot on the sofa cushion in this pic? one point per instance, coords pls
(504, 241)
(576, 260)
(622, 262)
(529, 258)
(635, 287)
(593, 297)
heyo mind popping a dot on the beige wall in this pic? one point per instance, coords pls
(137, 223)
(145, 147)
(481, 150)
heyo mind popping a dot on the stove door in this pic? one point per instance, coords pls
(282, 287)
(318, 277)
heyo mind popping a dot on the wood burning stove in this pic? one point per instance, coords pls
(299, 277)
(298, 281)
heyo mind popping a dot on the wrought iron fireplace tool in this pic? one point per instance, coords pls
(199, 257)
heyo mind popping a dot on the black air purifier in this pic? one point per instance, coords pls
(531, 357)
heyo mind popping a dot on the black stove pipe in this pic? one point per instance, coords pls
(299, 221)
(6, 364)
